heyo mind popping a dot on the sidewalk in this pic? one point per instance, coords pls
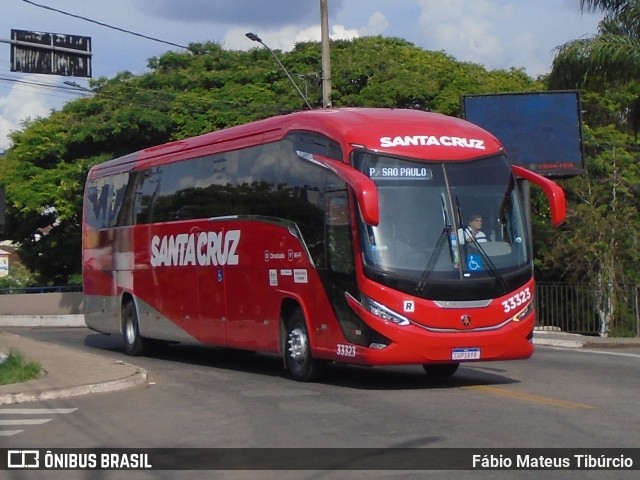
(70, 372)
(556, 338)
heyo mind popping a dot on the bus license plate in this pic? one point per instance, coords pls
(465, 354)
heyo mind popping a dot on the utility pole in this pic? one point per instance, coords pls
(326, 60)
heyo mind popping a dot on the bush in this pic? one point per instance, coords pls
(14, 369)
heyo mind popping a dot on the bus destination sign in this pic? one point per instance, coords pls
(400, 173)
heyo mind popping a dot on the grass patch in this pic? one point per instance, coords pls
(16, 369)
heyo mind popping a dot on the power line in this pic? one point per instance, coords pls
(137, 96)
(37, 84)
(46, 7)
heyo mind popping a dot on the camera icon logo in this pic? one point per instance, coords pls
(23, 459)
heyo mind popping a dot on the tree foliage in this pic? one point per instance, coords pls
(610, 57)
(190, 93)
(600, 238)
(598, 244)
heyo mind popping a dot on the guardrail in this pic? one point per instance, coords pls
(612, 311)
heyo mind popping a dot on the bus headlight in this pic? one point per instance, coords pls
(383, 312)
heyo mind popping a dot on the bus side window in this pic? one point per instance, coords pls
(338, 230)
(146, 196)
(300, 199)
(125, 214)
(118, 190)
(92, 205)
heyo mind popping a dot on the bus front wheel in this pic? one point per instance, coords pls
(134, 344)
(300, 363)
(440, 370)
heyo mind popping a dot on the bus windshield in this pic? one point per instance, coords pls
(447, 231)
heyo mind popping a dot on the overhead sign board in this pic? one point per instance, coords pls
(541, 131)
(50, 53)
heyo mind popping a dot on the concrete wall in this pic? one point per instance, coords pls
(70, 303)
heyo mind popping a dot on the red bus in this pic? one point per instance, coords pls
(337, 235)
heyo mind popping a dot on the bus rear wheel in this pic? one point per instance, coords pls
(300, 363)
(134, 344)
(440, 370)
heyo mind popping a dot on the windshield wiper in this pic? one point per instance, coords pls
(444, 236)
(474, 241)
(424, 278)
(490, 265)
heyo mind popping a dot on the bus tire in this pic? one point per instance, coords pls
(440, 370)
(134, 344)
(297, 349)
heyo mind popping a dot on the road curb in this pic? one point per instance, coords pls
(550, 338)
(137, 378)
(556, 338)
(42, 321)
(556, 342)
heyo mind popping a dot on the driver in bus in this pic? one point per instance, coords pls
(473, 230)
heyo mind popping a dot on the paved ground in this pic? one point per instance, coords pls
(70, 372)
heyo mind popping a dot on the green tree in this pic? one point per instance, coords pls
(598, 244)
(611, 56)
(18, 277)
(391, 72)
(44, 171)
(190, 93)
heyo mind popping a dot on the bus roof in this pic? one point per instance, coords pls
(409, 133)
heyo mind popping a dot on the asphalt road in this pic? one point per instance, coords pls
(199, 397)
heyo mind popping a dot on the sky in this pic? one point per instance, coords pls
(498, 34)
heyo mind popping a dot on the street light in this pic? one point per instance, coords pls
(255, 38)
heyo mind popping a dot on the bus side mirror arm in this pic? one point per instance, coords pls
(552, 190)
(365, 191)
(368, 201)
(363, 187)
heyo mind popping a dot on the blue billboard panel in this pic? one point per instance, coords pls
(541, 131)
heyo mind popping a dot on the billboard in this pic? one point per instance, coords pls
(541, 131)
(50, 53)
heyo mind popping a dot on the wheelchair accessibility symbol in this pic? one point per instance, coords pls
(474, 263)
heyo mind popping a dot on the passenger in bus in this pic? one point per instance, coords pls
(473, 230)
